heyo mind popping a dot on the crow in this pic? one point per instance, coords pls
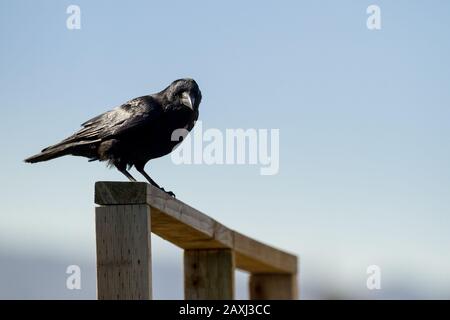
(135, 132)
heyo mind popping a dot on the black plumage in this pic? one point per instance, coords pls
(135, 132)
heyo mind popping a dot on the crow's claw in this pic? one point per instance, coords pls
(170, 193)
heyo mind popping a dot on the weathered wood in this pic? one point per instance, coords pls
(209, 274)
(123, 252)
(189, 228)
(273, 287)
(110, 193)
(172, 219)
(257, 257)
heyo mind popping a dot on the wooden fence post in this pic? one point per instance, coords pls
(212, 251)
(124, 269)
(266, 286)
(209, 274)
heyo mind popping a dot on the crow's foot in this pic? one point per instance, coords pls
(170, 193)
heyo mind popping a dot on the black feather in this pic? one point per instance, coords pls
(133, 133)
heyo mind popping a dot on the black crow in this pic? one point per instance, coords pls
(135, 132)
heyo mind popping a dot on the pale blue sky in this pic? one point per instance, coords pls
(363, 117)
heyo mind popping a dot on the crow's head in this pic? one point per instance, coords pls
(183, 92)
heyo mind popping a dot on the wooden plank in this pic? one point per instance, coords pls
(186, 236)
(123, 252)
(110, 193)
(257, 257)
(189, 228)
(172, 219)
(273, 287)
(209, 274)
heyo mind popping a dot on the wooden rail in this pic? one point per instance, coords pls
(130, 211)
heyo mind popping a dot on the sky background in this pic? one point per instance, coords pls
(364, 135)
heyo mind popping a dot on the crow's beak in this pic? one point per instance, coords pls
(187, 100)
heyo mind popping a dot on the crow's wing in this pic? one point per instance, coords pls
(131, 116)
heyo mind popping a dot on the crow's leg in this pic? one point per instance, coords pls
(141, 170)
(126, 173)
(152, 182)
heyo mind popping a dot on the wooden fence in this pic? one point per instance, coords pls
(130, 211)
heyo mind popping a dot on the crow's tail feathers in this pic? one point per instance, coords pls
(49, 153)
(81, 148)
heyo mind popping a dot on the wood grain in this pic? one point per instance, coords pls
(257, 257)
(123, 252)
(189, 228)
(273, 287)
(209, 274)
